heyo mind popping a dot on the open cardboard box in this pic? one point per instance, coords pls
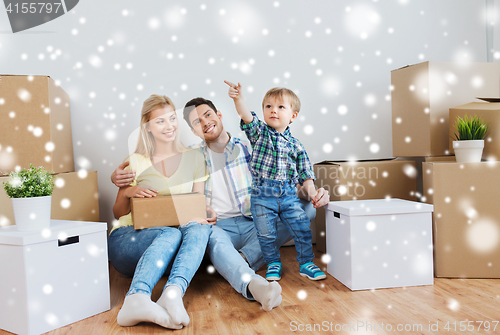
(167, 210)
(361, 180)
(466, 219)
(36, 124)
(422, 96)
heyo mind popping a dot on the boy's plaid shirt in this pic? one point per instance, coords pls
(238, 155)
(276, 156)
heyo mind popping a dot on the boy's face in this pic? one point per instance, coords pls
(206, 123)
(278, 113)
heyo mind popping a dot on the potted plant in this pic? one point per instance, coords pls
(31, 193)
(470, 135)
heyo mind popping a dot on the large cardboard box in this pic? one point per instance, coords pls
(489, 112)
(361, 180)
(167, 210)
(422, 96)
(466, 218)
(53, 279)
(379, 243)
(75, 198)
(35, 124)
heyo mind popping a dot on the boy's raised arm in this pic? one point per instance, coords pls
(239, 102)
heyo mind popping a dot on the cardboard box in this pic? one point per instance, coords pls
(75, 198)
(53, 279)
(466, 218)
(360, 180)
(422, 96)
(36, 124)
(167, 210)
(489, 112)
(379, 243)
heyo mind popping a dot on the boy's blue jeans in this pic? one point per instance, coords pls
(272, 199)
(147, 254)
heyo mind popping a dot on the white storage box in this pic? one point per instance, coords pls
(52, 278)
(379, 243)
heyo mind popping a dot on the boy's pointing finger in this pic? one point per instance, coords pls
(231, 84)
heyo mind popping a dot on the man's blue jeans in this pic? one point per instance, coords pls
(148, 253)
(272, 199)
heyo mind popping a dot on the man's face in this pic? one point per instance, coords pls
(206, 123)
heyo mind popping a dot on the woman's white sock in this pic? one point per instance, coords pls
(267, 294)
(171, 300)
(138, 307)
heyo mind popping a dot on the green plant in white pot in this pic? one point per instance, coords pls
(31, 193)
(470, 135)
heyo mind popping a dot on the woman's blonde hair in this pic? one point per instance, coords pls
(146, 142)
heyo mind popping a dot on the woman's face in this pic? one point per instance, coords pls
(163, 124)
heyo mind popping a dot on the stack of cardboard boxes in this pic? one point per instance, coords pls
(36, 129)
(466, 220)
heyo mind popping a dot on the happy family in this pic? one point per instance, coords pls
(259, 195)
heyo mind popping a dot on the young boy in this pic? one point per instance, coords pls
(279, 162)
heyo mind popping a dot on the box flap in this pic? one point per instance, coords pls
(356, 161)
(378, 207)
(58, 229)
(489, 99)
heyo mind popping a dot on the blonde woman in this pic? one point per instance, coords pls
(160, 165)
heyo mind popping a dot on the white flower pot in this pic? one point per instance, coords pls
(468, 151)
(32, 214)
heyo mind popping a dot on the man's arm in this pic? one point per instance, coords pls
(239, 102)
(122, 177)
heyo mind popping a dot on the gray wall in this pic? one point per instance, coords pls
(337, 55)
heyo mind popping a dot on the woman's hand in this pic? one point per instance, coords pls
(140, 192)
(211, 215)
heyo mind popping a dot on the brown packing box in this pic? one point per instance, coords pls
(360, 180)
(466, 218)
(422, 96)
(489, 112)
(167, 210)
(35, 124)
(75, 198)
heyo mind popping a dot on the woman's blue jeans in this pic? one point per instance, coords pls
(147, 254)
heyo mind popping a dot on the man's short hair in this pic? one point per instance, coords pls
(279, 92)
(192, 104)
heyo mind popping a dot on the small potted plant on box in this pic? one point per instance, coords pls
(470, 135)
(31, 193)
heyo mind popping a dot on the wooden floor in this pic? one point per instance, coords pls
(215, 308)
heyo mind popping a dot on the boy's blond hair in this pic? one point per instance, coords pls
(279, 92)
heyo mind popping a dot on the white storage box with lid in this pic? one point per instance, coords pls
(379, 243)
(52, 278)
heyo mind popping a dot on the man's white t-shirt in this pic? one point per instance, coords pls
(223, 201)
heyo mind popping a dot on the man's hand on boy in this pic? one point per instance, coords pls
(121, 177)
(321, 198)
(234, 90)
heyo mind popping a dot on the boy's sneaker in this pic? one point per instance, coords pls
(274, 271)
(311, 271)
